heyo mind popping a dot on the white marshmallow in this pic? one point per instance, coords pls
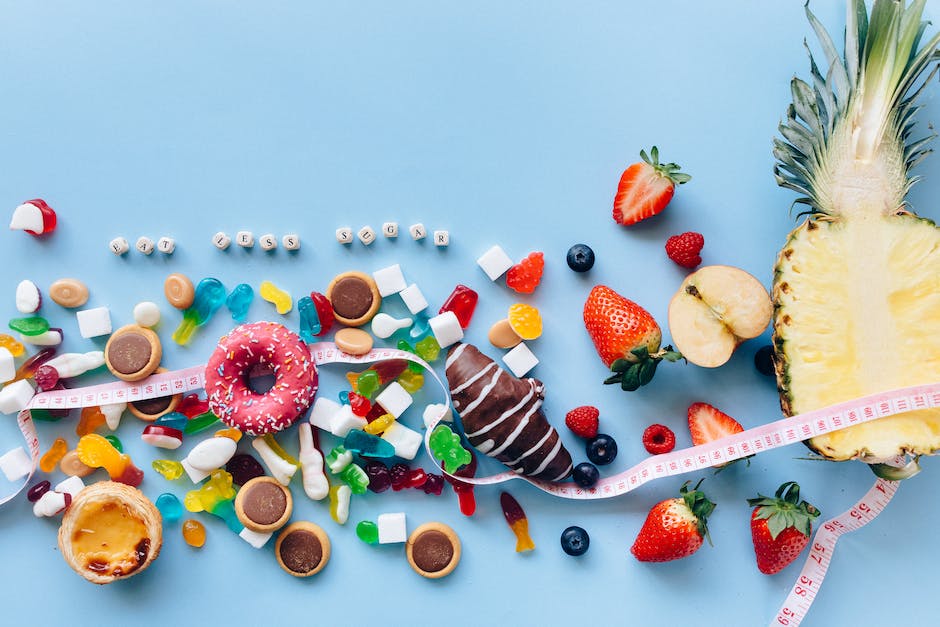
(366, 235)
(16, 396)
(267, 242)
(280, 468)
(254, 538)
(344, 235)
(392, 528)
(16, 464)
(446, 329)
(7, 365)
(406, 441)
(291, 241)
(344, 420)
(221, 240)
(119, 246)
(166, 245)
(70, 365)
(394, 399)
(144, 245)
(520, 360)
(50, 504)
(389, 280)
(441, 238)
(384, 325)
(27, 297)
(147, 314)
(417, 231)
(343, 496)
(413, 298)
(245, 239)
(321, 415)
(316, 485)
(112, 414)
(71, 486)
(390, 229)
(52, 337)
(433, 411)
(94, 322)
(495, 262)
(195, 475)
(211, 453)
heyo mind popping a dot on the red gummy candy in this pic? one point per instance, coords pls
(416, 478)
(49, 219)
(191, 405)
(465, 498)
(380, 479)
(434, 484)
(524, 277)
(399, 475)
(46, 377)
(462, 301)
(359, 404)
(324, 312)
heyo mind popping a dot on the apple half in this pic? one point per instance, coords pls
(715, 309)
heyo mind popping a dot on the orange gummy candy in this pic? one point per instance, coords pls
(194, 533)
(526, 321)
(54, 455)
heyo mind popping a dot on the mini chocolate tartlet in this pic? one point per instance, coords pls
(355, 298)
(152, 408)
(263, 505)
(302, 549)
(133, 353)
(433, 550)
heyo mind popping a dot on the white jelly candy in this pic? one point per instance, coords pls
(366, 235)
(256, 539)
(16, 463)
(321, 415)
(52, 337)
(384, 325)
(50, 504)
(119, 246)
(211, 453)
(417, 231)
(267, 241)
(94, 322)
(112, 414)
(195, 475)
(316, 485)
(16, 396)
(406, 441)
(166, 245)
(390, 229)
(291, 241)
(392, 528)
(71, 486)
(147, 314)
(221, 240)
(344, 420)
(343, 496)
(413, 298)
(70, 365)
(446, 329)
(389, 280)
(245, 239)
(28, 298)
(280, 468)
(434, 411)
(344, 235)
(495, 262)
(7, 365)
(520, 360)
(441, 238)
(394, 399)
(144, 245)
(27, 217)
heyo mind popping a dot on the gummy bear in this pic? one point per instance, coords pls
(516, 518)
(95, 451)
(216, 496)
(277, 297)
(403, 345)
(191, 406)
(434, 484)
(380, 479)
(367, 445)
(309, 319)
(324, 312)
(399, 476)
(379, 425)
(54, 455)
(462, 301)
(411, 381)
(170, 469)
(210, 294)
(428, 349)
(416, 478)
(446, 447)
(367, 383)
(368, 532)
(525, 276)
(525, 320)
(194, 533)
(359, 404)
(239, 301)
(33, 325)
(92, 418)
(8, 342)
(170, 507)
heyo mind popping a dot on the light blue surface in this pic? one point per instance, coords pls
(504, 124)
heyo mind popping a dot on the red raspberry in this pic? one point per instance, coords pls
(583, 421)
(684, 249)
(659, 439)
(524, 277)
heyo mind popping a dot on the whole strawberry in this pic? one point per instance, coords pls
(674, 528)
(780, 527)
(645, 188)
(583, 421)
(684, 249)
(626, 337)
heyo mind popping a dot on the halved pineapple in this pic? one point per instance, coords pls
(857, 286)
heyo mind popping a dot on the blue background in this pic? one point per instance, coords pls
(505, 123)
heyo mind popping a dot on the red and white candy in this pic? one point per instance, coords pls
(35, 217)
(162, 436)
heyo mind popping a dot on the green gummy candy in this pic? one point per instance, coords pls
(34, 325)
(368, 532)
(356, 478)
(200, 423)
(446, 447)
(368, 383)
(115, 442)
(428, 349)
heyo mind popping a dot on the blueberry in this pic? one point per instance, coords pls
(764, 360)
(580, 258)
(586, 475)
(575, 541)
(602, 449)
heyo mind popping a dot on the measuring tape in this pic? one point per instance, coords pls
(769, 436)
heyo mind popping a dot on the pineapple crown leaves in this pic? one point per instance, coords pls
(868, 92)
(670, 171)
(785, 510)
(699, 505)
(632, 375)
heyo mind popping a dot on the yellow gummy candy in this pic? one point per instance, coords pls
(231, 434)
(54, 455)
(95, 451)
(16, 349)
(526, 321)
(277, 297)
(411, 381)
(279, 450)
(380, 424)
(217, 489)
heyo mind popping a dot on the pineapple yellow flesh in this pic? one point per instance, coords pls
(858, 312)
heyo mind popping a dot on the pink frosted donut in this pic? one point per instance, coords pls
(265, 345)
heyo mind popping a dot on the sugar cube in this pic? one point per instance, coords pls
(166, 245)
(366, 235)
(49, 504)
(291, 241)
(441, 238)
(119, 246)
(94, 322)
(413, 298)
(7, 365)
(406, 441)
(495, 262)
(389, 280)
(71, 486)
(394, 399)
(221, 240)
(16, 464)
(392, 528)
(446, 329)
(417, 231)
(321, 415)
(267, 241)
(344, 420)
(245, 239)
(16, 396)
(144, 245)
(256, 539)
(390, 229)
(344, 235)
(520, 360)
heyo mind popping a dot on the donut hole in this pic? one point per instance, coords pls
(261, 378)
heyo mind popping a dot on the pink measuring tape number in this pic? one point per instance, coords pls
(765, 437)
